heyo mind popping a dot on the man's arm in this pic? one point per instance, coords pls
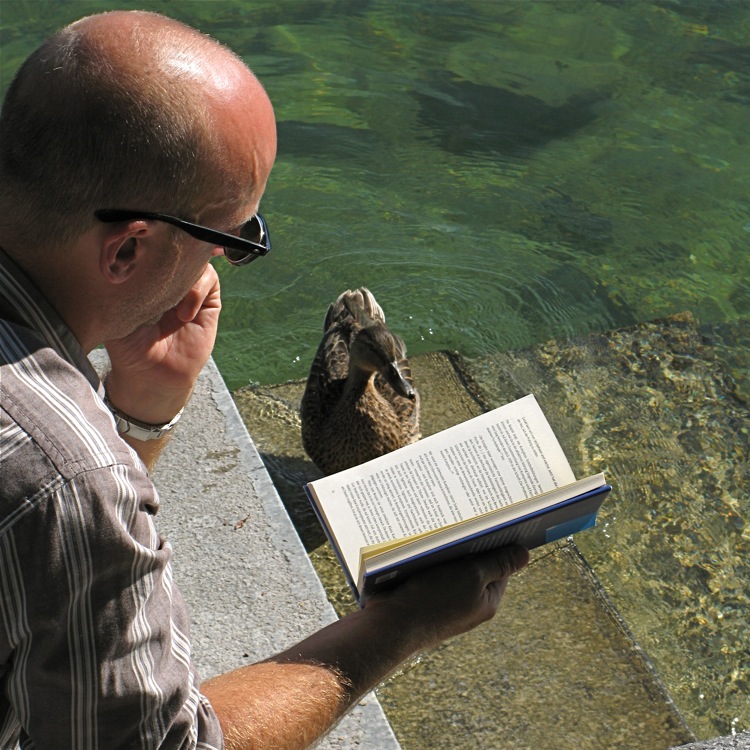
(297, 696)
(89, 615)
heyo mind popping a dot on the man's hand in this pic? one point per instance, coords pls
(446, 600)
(155, 368)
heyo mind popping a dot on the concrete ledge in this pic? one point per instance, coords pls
(238, 561)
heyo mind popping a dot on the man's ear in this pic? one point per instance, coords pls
(121, 252)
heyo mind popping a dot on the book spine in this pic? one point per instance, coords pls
(333, 544)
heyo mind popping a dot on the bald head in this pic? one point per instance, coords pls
(128, 110)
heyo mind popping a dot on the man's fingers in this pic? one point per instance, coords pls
(501, 564)
(204, 293)
(495, 591)
(505, 561)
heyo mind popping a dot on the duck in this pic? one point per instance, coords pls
(360, 401)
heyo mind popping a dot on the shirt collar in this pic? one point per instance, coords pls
(22, 303)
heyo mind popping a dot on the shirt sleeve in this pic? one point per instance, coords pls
(95, 630)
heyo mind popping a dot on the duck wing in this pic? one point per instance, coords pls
(328, 372)
(329, 369)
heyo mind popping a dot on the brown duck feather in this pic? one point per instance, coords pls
(360, 401)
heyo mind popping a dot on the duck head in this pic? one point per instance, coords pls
(375, 349)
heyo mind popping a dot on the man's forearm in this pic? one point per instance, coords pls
(148, 406)
(298, 695)
(271, 705)
(295, 697)
(148, 451)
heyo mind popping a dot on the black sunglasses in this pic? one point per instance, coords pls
(252, 242)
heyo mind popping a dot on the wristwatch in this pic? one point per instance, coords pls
(133, 428)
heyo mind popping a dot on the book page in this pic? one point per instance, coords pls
(488, 462)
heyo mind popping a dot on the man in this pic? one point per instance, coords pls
(117, 130)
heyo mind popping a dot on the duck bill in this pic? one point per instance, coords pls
(398, 382)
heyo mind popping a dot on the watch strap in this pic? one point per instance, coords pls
(127, 425)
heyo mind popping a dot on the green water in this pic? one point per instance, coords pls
(498, 172)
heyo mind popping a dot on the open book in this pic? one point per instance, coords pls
(497, 479)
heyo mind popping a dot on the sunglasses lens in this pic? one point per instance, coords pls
(239, 257)
(255, 231)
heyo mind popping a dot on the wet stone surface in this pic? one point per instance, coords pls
(661, 408)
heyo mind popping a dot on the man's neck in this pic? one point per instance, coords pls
(61, 286)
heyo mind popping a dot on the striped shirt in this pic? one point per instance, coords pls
(94, 646)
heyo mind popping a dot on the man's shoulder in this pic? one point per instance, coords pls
(53, 424)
